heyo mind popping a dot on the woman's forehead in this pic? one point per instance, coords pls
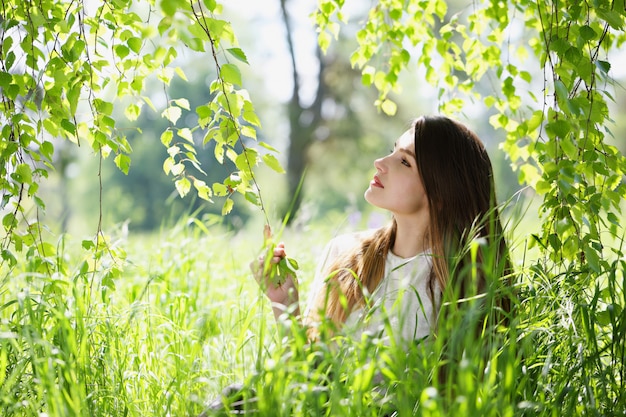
(406, 141)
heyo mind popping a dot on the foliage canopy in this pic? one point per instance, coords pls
(66, 66)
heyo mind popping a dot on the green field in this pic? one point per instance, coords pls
(184, 318)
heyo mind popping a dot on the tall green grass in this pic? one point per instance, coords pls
(184, 319)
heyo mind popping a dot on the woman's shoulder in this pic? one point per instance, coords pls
(344, 243)
(349, 240)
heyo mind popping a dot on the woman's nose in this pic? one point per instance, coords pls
(379, 164)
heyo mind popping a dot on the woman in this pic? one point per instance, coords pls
(442, 251)
(437, 182)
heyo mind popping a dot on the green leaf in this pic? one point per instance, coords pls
(528, 174)
(561, 90)
(172, 114)
(183, 185)
(47, 149)
(268, 146)
(220, 189)
(593, 259)
(246, 159)
(367, 75)
(68, 126)
(389, 107)
(218, 152)
(611, 217)
(166, 137)
(210, 4)
(121, 51)
(587, 32)
(103, 107)
(271, 161)
(167, 165)
(23, 174)
(13, 91)
(132, 112)
(73, 95)
(219, 28)
(203, 111)
(186, 134)
(542, 187)
(490, 101)
(195, 44)
(179, 71)
(231, 74)
(558, 128)
(168, 7)
(183, 103)
(535, 120)
(108, 281)
(554, 241)
(204, 191)
(134, 44)
(248, 131)
(5, 79)
(178, 169)
(612, 17)
(123, 162)
(324, 39)
(137, 84)
(249, 115)
(252, 197)
(51, 127)
(228, 206)
(9, 257)
(9, 221)
(559, 45)
(569, 148)
(238, 54)
(164, 24)
(603, 66)
(10, 60)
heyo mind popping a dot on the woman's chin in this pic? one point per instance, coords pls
(368, 195)
(371, 199)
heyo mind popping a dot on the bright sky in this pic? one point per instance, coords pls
(266, 35)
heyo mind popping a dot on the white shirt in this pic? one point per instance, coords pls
(401, 302)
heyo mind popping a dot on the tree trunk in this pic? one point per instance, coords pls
(301, 131)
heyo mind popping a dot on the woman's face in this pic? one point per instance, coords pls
(397, 185)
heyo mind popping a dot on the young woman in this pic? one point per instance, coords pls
(443, 250)
(437, 183)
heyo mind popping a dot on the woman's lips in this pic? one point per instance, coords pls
(376, 182)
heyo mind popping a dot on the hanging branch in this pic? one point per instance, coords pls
(200, 18)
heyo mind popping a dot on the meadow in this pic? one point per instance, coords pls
(183, 318)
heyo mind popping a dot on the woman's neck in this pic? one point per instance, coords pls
(411, 237)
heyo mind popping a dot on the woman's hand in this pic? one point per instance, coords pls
(281, 289)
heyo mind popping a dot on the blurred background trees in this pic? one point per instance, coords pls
(314, 109)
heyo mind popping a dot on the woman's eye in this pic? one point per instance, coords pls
(406, 163)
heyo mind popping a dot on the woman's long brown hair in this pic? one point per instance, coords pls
(458, 179)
